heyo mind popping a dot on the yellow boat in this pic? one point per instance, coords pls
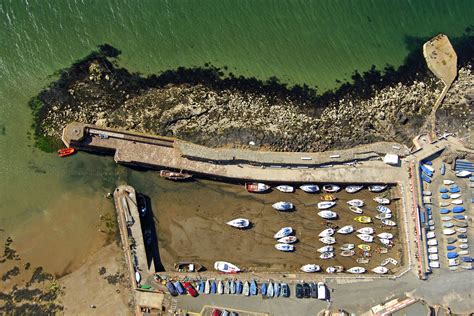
(364, 247)
(328, 197)
(363, 219)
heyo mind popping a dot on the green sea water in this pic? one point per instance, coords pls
(312, 42)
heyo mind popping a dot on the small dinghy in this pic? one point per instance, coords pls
(326, 248)
(364, 247)
(346, 229)
(356, 202)
(310, 268)
(446, 218)
(444, 204)
(461, 229)
(450, 247)
(443, 190)
(380, 270)
(463, 252)
(277, 289)
(326, 205)
(452, 255)
(264, 289)
(328, 197)
(462, 240)
(448, 231)
(347, 247)
(207, 287)
(448, 224)
(66, 152)
(309, 188)
(239, 223)
(385, 235)
(238, 287)
(327, 240)
(363, 219)
(383, 209)
(271, 289)
(253, 288)
(458, 209)
(457, 202)
(462, 236)
(463, 246)
(138, 277)
(354, 188)
(226, 287)
(445, 196)
(256, 187)
(326, 255)
(381, 200)
(451, 240)
(389, 222)
(444, 211)
(213, 287)
(285, 231)
(285, 188)
(434, 264)
(459, 217)
(327, 214)
(383, 216)
(377, 188)
(366, 238)
(455, 196)
(463, 174)
(327, 232)
(220, 287)
(356, 209)
(385, 241)
(331, 188)
(432, 242)
(226, 267)
(284, 247)
(433, 249)
(448, 182)
(288, 240)
(283, 206)
(246, 288)
(356, 270)
(430, 235)
(347, 253)
(366, 230)
(433, 256)
(175, 176)
(454, 189)
(335, 269)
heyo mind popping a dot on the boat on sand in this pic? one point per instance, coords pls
(354, 188)
(327, 214)
(382, 200)
(187, 266)
(309, 188)
(327, 232)
(328, 197)
(288, 240)
(175, 176)
(346, 229)
(326, 205)
(285, 188)
(356, 209)
(331, 188)
(239, 223)
(380, 270)
(284, 247)
(363, 219)
(285, 231)
(327, 240)
(366, 230)
(226, 267)
(356, 202)
(356, 270)
(256, 187)
(310, 268)
(283, 206)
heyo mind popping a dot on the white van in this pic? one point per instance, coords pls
(322, 292)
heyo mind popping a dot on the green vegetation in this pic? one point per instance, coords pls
(45, 143)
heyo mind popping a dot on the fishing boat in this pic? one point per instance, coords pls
(256, 187)
(459, 217)
(220, 287)
(187, 266)
(354, 188)
(364, 247)
(253, 288)
(458, 209)
(271, 289)
(463, 174)
(309, 188)
(433, 256)
(239, 223)
(383, 216)
(451, 240)
(284, 247)
(377, 188)
(380, 270)
(444, 211)
(356, 209)
(366, 238)
(347, 247)
(326, 205)
(226, 267)
(388, 222)
(446, 218)
(448, 231)
(327, 232)
(327, 214)
(382, 200)
(432, 242)
(356, 202)
(328, 197)
(455, 195)
(285, 188)
(326, 255)
(433, 249)
(327, 240)
(285, 231)
(347, 253)
(310, 268)
(66, 152)
(331, 188)
(175, 176)
(288, 240)
(356, 270)
(457, 202)
(448, 182)
(283, 206)
(366, 230)
(363, 219)
(385, 235)
(246, 288)
(448, 224)
(430, 235)
(346, 229)
(383, 209)
(326, 248)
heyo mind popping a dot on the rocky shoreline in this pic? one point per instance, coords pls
(222, 112)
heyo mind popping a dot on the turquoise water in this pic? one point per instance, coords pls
(312, 42)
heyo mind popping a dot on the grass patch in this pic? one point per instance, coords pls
(44, 143)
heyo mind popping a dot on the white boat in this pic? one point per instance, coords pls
(385, 241)
(285, 188)
(246, 288)
(380, 270)
(430, 235)
(453, 262)
(446, 218)
(347, 247)
(383, 216)
(433, 256)
(432, 242)
(366, 230)
(326, 204)
(463, 252)
(330, 270)
(365, 237)
(346, 229)
(382, 200)
(463, 174)
(388, 222)
(327, 232)
(284, 247)
(433, 249)
(283, 206)
(220, 287)
(448, 231)
(463, 240)
(356, 202)
(326, 255)
(207, 287)
(356, 209)
(256, 187)
(456, 202)
(226, 267)
(356, 270)
(377, 188)
(461, 229)
(138, 277)
(326, 248)
(434, 264)
(327, 214)
(354, 188)
(455, 195)
(310, 268)
(330, 188)
(309, 188)
(464, 246)
(385, 235)
(430, 168)
(328, 240)
(448, 182)
(239, 223)
(287, 240)
(444, 204)
(285, 231)
(383, 209)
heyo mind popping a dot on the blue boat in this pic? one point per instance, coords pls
(454, 190)
(264, 289)
(425, 170)
(179, 287)
(442, 169)
(452, 255)
(428, 210)
(238, 287)
(427, 162)
(425, 178)
(459, 216)
(276, 288)
(444, 211)
(253, 288)
(445, 196)
(467, 259)
(202, 285)
(213, 287)
(458, 209)
(443, 190)
(450, 247)
(462, 236)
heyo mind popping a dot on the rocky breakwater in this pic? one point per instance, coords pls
(95, 91)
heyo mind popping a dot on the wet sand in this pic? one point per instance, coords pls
(192, 216)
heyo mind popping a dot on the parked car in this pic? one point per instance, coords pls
(189, 287)
(314, 290)
(171, 288)
(306, 290)
(216, 312)
(179, 287)
(285, 290)
(299, 290)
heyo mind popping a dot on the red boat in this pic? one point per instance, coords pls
(256, 187)
(175, 176)
(66, 152)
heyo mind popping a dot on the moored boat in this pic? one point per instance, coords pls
(187, 266)
(239, 223)
(328, 240)
(433, 256)
(455, 195)
(310, 268)
(389, 222)
(283, 206)
(310, 188)
(448, 224)
(331, 188)
(285, 231)
(284, 247)
(347, 253)
(463, 174)
(327, 232)
(363, 219)
(66, 152)
(383, 209)
(328, 197)
(347, 247)
(366, 230)
(446, 218)
(448, 182)
(356, 202)
(457, 202)
(356, 270)
(354, 188)
(356, 209)
(458, 209)
(448, 231)
(175, 176)
(380, 270)
(366, 238)
(326, 255)
(327, 214)
(288, 240)
(226, 267)
(385, 235)
(285, 188)
(326, 248)
(346, 229)
(383, 216)
(326, 205)
(253, 288)
(451, 240)
(382, 200)
(377, 188)
(364, 247)
(256, 187)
